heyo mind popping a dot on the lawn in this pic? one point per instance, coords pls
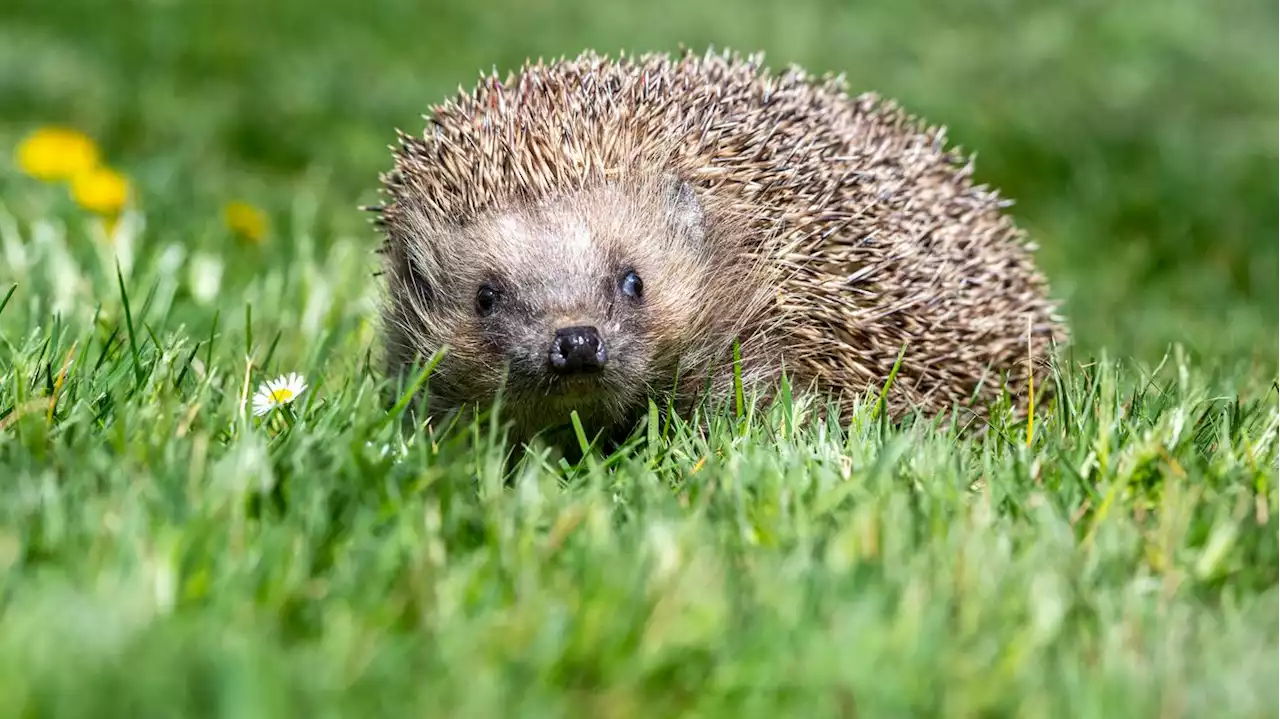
(163, 552)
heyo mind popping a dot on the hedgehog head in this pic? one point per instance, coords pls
(583, 300)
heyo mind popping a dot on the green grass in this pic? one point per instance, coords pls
(164, 553)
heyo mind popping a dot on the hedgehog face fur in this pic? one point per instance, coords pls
(582, 302)
(593, 232)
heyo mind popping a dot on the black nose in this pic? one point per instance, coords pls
(576, 349)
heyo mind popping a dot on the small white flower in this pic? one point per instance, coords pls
(278, 392)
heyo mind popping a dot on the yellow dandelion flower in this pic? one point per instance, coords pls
(56, 153)
(100, 190)
(245, 219)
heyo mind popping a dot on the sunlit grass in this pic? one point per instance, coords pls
(162, 547)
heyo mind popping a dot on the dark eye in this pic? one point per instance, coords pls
(631, 285)
(486, 298)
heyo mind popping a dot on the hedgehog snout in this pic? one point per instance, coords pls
(577, 349)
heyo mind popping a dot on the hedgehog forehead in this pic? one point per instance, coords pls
(528, 245)
(567, 240)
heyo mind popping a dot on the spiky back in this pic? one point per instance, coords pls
(874, 231)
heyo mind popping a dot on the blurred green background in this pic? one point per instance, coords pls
(1139, 139)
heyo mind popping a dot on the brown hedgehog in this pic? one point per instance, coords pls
(592, 233)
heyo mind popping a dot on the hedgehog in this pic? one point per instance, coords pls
(591, 234)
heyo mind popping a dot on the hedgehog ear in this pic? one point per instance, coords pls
(682, 206)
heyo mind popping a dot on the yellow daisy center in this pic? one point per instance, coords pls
(279, 396)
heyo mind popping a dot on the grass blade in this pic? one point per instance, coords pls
(128, 318)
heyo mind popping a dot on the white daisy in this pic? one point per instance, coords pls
(278, 392)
